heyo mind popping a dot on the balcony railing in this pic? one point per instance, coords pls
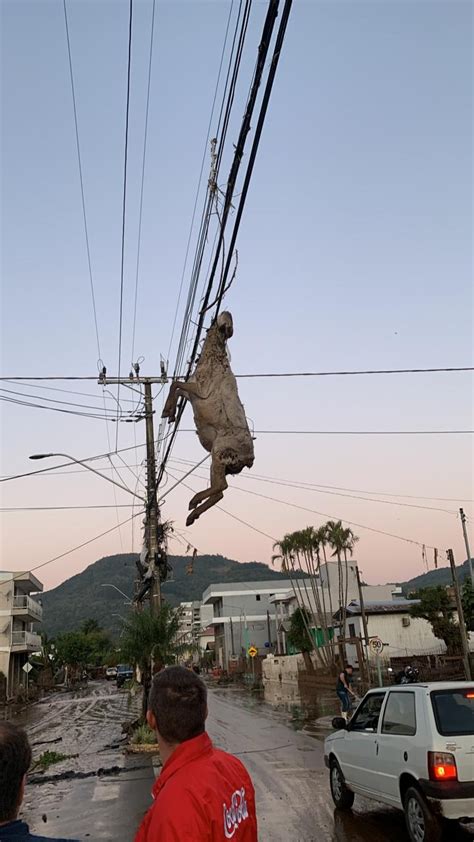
(26, 603)
(26, 640)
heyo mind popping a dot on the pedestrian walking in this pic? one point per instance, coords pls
(202, 794)
(15, 760)
(344, 690)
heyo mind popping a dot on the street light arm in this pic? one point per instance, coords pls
(109, 585)
(85, 465)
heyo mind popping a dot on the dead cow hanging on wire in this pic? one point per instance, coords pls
(218, 414)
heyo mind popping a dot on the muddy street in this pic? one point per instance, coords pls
(109, 791)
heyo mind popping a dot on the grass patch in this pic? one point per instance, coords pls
(49, 758)
(143, 735)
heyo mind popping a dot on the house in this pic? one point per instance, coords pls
(391, 621)
(19, 614)
(327, 587)
(243, 616)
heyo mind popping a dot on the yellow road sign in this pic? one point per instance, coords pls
(252, 651)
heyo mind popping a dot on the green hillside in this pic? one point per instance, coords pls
(442, 576)
(82, 596)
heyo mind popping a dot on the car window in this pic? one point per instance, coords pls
(399, 716)
(454, 711)
(367, 715)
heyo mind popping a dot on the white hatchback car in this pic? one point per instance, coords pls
(411, 747)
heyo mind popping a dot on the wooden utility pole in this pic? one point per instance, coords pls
(152, 532)
(364, 620)
(152, 513)
(462, 624)
(466, 541)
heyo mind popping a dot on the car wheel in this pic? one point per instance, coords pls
(422, 825)
(341, 795)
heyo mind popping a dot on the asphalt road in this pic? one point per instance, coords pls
(285, 759)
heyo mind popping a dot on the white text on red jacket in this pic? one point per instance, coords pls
(236, 813)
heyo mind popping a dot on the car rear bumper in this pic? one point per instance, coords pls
(451, 799)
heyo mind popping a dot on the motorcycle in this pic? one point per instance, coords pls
(409, 675)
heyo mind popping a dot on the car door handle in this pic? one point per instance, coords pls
(376, 747)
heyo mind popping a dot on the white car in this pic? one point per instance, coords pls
(411, 747)
(111, 673)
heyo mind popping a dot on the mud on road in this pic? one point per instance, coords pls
(103, 793)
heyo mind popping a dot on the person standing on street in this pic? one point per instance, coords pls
(202, 794)
(15, 760)
(344, 690)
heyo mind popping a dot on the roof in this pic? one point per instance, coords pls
(393, 606)
(428, 685)
(266, 586)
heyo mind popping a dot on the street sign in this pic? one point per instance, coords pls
(376, 645)
(27, 668)
(252, 651)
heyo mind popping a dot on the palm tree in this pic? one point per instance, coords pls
(150, 639)
(342, 541)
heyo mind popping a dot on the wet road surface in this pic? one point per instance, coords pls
(108, 805)
(283, 753)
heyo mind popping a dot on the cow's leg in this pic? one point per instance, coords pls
(211, 501)
(178, 390)
(218, 484)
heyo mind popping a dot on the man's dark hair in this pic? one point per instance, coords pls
(349, 667)
(15, 760)
(178, 700)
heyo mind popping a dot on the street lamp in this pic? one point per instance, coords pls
(109, 585)
(85, 465)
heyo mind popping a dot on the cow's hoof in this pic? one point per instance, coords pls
(193, 502)
(190, 519)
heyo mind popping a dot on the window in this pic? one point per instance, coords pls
(400, 717)
(454, 712)
(352, 630)
(367, 715)
(258, 597)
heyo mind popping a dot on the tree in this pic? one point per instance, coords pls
(436, 607)
(89, 626)
(342, 541)
(150, 638)
(298, 635)
(468, 604)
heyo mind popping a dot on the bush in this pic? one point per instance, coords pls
(143, 735)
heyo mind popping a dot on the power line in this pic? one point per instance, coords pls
(97, 415)
(65, 508)
(143, 178)
(124, 203)
(316, 490)
(67, 464)
(50, 400)
(325, 515)
(78, 149)
(278, 374)
(63, 391)
(203, 161)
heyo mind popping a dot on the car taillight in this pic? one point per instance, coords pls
(442, 766)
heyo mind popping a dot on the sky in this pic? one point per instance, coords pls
(355, 252)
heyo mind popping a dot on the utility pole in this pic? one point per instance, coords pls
(466, 541)
(364, 620)
(269, 631)
(232, 636)
(152, 513)
(153, 539)
(462, 624)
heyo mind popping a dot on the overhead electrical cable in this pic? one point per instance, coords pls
(81, 179)
(124, 206)
(465, 368)
(145, 135)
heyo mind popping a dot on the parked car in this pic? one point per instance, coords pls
(111, 673)
(411, 747)
(124, 673)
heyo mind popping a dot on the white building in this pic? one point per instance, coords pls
(18, 615)
(194, 618)
(243, 616)
(401, 634)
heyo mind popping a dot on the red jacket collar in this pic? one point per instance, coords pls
(184, 754)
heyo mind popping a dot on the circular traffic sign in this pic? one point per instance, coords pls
(376, 645)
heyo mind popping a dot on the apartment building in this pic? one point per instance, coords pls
(243, 616)
(19, 614)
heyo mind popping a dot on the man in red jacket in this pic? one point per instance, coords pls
(202, 794)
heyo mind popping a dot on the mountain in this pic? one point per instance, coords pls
(442, 576)
(82, 596)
